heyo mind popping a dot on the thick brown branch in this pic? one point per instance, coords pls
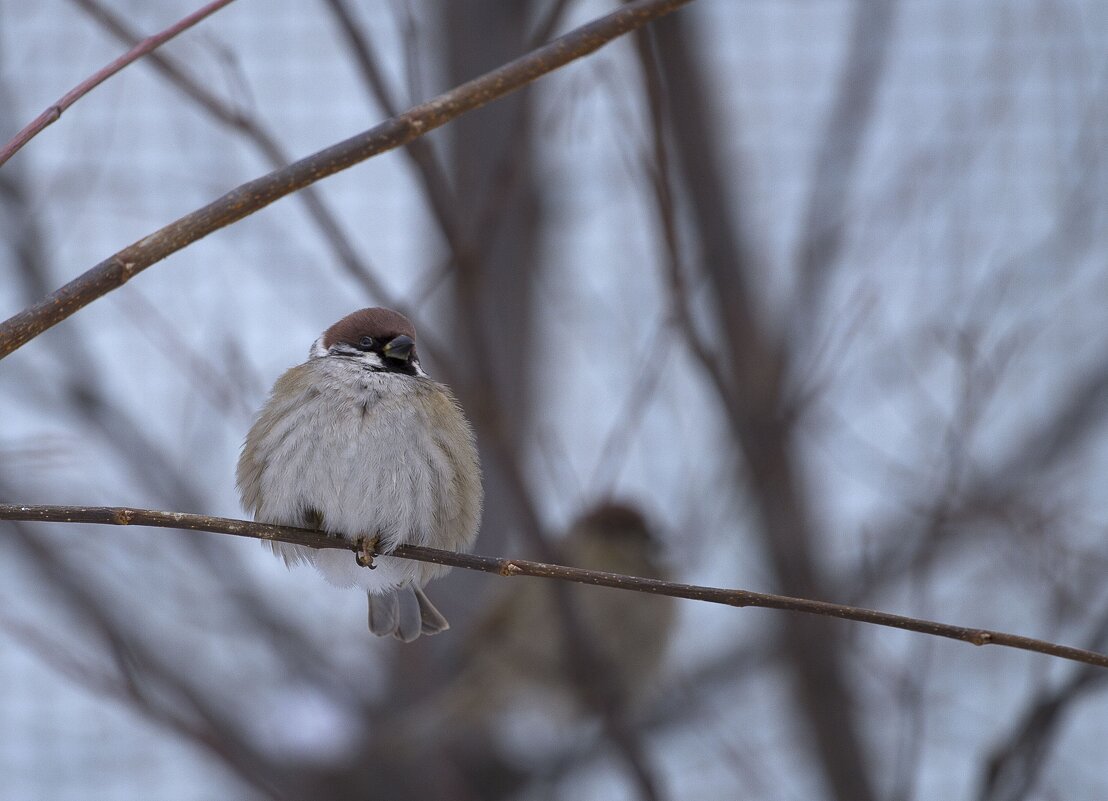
(122, 516)
(54, 112)
(116, 270)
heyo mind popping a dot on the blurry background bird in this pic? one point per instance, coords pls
(524, 651)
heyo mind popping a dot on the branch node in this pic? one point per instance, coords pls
(123, 517)
(981, 638)
(509, 568)
(127, 270)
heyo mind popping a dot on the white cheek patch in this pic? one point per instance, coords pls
(366, 359)
(370, 359)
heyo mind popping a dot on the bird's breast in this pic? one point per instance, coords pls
(363, 457)
(360, 454)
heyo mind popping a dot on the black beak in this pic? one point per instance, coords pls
(400, 347)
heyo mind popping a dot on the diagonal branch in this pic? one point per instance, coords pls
(140, 49)
(851, 115)
(435, 182)
(116, 270)
(123, 516)
(141, 670)
(255, 133)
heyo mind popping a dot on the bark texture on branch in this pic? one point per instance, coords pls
(116, 270)
(122, 516)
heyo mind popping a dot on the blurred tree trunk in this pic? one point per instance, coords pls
(755, 366)
(491, 165)
(491, 222)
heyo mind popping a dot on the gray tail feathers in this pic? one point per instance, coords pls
(431, 620)
(405, 613)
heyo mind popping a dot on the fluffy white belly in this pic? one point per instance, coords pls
(371, 466)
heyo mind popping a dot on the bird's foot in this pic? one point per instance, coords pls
(367, 549)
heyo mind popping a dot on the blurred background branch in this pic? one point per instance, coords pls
(116, 270)
(140, 49)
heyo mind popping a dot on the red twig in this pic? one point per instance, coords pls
(54, 112)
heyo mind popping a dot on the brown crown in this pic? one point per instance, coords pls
(380, 323)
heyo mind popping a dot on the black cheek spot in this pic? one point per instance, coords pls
(312, 518)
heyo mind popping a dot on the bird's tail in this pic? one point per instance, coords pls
(405, 613)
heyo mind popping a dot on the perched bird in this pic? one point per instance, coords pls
(520, 646)
(360, 443)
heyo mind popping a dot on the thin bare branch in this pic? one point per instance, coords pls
(116, 270)
(435, 183)
(263, 140)
(1014, 768)
(836, 161)
(54, 112)
(546, 25)
(757, 358)
(141, 670)
(660, 172)
(123, 516)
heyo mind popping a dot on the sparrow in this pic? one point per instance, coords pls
(358, 442)
(516, 648)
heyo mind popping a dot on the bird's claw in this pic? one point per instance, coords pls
(367, 549)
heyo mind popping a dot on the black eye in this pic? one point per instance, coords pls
(365, 343)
